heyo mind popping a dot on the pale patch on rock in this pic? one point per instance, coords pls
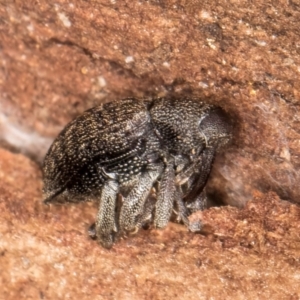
(129, 59)
(65, 20)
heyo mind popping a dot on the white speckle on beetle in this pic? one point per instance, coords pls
(129, 59)
(65, 20)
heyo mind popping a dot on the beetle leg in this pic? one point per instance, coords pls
(147, 217)
(196, 199)
(105, 224)
(203, 169)
(181, 209)
(200, 203)
(183, 214)
(133, 208)
(165, 197)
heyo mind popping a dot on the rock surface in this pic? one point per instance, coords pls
(45, 252)
(59, 59)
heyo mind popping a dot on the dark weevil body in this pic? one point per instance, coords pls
(116, 153)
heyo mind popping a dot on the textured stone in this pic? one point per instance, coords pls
(60, 59)
(45, 252)
(56, 60)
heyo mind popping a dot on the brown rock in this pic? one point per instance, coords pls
(60, 59)
(45, 252)
(56, 60)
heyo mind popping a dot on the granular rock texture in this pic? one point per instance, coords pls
(45, 252)
(58, 59)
